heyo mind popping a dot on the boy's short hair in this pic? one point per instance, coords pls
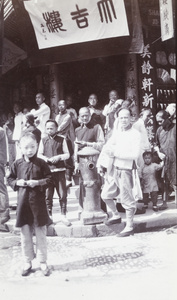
(147, 153)
(51, 121)
(28, 135)
(30, 119)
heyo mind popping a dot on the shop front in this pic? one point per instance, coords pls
(138, 64)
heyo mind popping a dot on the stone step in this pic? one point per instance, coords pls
(73, 192)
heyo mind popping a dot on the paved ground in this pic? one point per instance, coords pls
(140, 267)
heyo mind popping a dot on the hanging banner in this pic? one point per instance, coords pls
(59, 23)
(166, 19)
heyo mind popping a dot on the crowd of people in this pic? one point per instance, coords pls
(42, 155)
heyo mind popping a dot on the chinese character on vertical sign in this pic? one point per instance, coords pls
(53, 21)
(146, 67)
(130, 65)
(131, 83)
(106, 10)
(150, 132)
(147, 84)
(166, 28)
(147, 94)
(148, 100)
(165, 15)
(80, 16)
(150, 118)
(146, 52)
(52, 93)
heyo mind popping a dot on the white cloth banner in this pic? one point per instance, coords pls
(64, 22)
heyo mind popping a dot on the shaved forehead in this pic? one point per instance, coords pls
(84, 110)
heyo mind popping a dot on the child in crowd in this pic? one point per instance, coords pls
(31, 127)
(147, 174)
(53, 149)
(96, 114)
(29, 176)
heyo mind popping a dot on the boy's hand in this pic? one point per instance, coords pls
(32, 183)
(21, 182)
(101, 171)
(54, 159)
(81, 143)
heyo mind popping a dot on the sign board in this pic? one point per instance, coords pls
(59, 23)
(166, 19)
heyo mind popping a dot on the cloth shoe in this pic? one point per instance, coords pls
(163, 206)
(125, 233)
(68, 184)
(27, 269)
(155, 208)
(113, 220)
(45, 270)
(65, 221)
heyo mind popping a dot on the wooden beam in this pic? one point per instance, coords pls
(81, 51)
(1, 33)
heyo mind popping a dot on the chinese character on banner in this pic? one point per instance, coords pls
(44, 31)
(106, 10)
(53, 21)
(80, 16)
(166, 19)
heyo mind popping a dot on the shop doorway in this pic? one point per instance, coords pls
(99, 76)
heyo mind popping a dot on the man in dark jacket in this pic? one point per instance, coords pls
(53, 149)
(87, 135)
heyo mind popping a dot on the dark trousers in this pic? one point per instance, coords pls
(153, 195)
(59, 182)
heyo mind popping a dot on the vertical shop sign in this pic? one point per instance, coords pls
(166, 19)
(147, 88)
